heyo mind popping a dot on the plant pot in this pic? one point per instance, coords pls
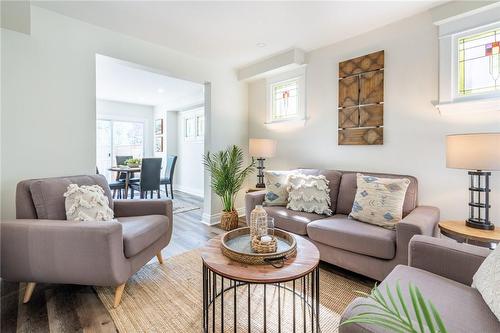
(229, 220)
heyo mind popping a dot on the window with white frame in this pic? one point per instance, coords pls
(478, 62)
(286, 97)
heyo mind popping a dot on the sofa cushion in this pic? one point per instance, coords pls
(141, 231)
(461, 307)
(308, 193)
(341, 232)
(487, 281)
(48, 194)
(87, 203)
(333, 177)
(348, 187)
(276, 187)
(291, 220)
(379, 201)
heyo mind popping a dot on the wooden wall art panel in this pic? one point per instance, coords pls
(361, 136)
(361, 100)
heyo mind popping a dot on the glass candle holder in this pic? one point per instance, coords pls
(270, 226)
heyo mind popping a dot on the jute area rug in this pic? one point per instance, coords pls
(168, 298)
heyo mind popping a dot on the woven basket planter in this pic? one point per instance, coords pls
(229, 220)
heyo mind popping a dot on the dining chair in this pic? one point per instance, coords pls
(120, 160)
(168, 178)
(150, 178)
(114, 186)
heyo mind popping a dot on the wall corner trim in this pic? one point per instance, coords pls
(278, 63)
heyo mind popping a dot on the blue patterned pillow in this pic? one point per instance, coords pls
(276, 186)
(379, 201)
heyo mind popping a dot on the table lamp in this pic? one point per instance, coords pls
(479, 153)
(261, 149)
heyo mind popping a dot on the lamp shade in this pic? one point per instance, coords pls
(479, 151)
(262, 148)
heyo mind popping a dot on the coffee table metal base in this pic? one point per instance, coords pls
(304, 289)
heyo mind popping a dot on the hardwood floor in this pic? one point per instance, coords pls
(71, 308)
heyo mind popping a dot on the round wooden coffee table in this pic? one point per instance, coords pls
(299, 276)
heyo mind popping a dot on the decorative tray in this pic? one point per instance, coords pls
(235, 244)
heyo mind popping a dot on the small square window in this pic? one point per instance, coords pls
(286, 96)
(285, 100)
(479, 63)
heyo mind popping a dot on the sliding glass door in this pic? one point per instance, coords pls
(117, 138)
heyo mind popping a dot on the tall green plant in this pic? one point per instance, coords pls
(228, 173)
(386, 312)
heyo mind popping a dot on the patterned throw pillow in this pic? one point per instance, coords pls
(276, 187)
(487, 281)
(379, 201)
(87, 203)
(309, 194)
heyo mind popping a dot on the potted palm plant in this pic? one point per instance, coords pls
(228, 174)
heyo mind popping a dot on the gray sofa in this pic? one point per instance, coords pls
(359, 247)
(39, 246)
(442, 270)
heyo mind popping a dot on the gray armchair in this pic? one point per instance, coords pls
(442, 269)
(40, 246)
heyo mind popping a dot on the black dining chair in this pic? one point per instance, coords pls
(114, 186)
(168, 177)
(120, 160)
(150, 178)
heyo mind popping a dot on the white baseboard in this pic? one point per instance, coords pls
(215, 218)
(189, 190)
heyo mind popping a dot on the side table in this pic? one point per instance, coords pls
(454, 229)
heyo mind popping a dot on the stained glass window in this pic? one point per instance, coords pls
(479, 63)
(285, 99)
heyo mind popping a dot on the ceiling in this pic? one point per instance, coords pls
(124, 82)
(238, 33)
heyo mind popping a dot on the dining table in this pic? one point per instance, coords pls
(128, 171)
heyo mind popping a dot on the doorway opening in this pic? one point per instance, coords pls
(142, 114)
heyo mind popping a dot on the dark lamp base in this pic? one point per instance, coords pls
(479, 225)
(260, 185)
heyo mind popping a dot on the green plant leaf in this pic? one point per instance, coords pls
(437, 318)
(425, 311)
(391, 299)
(416, 309)
(383, 323)
(402, 302)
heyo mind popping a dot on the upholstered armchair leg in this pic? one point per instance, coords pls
(158, 194)
(171, 191)
(118, 295)
(30, 286)
(160, 258)
(166, 190)
(114, 194)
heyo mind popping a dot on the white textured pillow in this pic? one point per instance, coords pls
(87, 203)
(309, 193)
(276, 187)
(379, 201)
(487, 281)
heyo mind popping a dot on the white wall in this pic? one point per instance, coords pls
(189, 169)
(414, 133)
(48, 98)
(129, 112)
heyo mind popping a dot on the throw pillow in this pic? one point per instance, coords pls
(87, 203)
(276, 187)
(309, 193)
(487, 281)
(379, 201)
